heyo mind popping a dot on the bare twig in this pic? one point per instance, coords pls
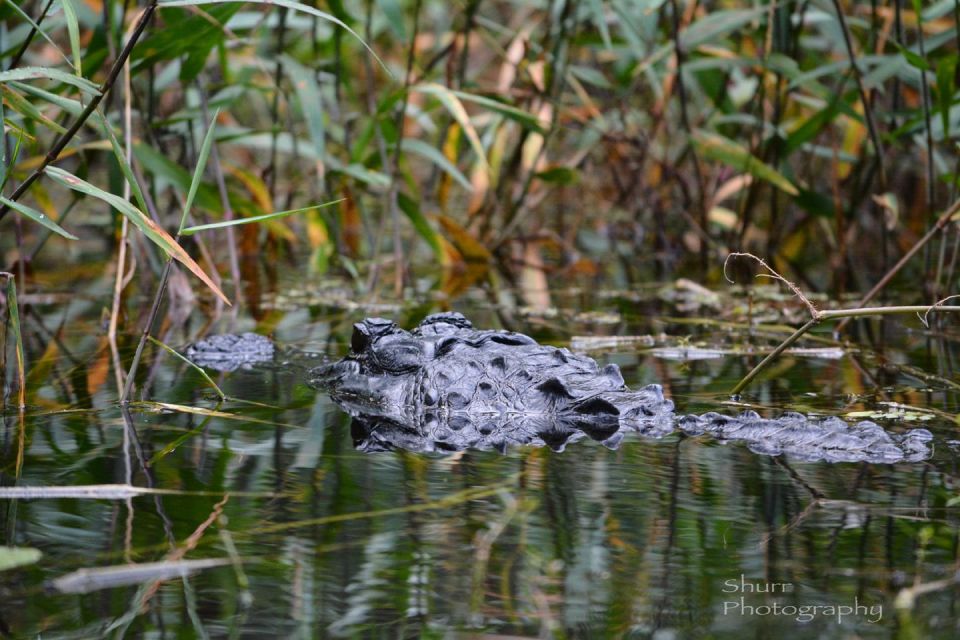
(936, 305)
(830, 315)
(817, 316)
(775, 275)
(942, 222)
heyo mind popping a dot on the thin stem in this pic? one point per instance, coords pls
(381, 147)
(66, 137)
(942, 221)
(33, 31)
(685, 122)
(925, 93)
(819, 317)
(147, 328)
(275, 109)
(224, 201)
(397, 152)
(796, 335)
(867, 111)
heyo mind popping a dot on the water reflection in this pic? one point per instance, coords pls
(323, 540)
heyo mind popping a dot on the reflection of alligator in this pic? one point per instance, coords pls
(446, 386)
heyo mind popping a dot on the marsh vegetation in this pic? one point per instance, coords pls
(581, 171)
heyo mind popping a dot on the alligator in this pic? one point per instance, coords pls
(445, 386)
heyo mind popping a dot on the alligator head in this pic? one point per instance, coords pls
(447, 386)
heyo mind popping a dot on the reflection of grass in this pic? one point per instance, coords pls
(546, 139)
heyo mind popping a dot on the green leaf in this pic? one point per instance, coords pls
(269, 216)
(815, 203)
(452, 103)
(289, 4)
(716, 147)
(195, 367)
(12, 557)
(188, 36)
(392, 11)
(13, 314)
(559, 175)
(73, 28)
(38, 217)
(33, 73)
(520, 116)
(198, 171)
(411, 209)
(24, 107)
(311, 105)
(73, 107)
(596, 8)
(946, 87)
(36, 27)
(813, 125)
(163, 167)
(13, 159)
(716, 25)
(434, 155)
(121, 158)
(913, 59)
(150, 228)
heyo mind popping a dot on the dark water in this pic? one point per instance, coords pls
(670, 538)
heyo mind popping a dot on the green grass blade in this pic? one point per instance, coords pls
(38, 217)
(73, 28)
(435, 156)
(510, 112)
(411, 209)
(30, 112)
(716, 25)
(150, 228)
(45, 73)
(311, 105)
(269, 216)
(196, 368)
(289, 4)
(198, 171)
(73, 107)
(13, 157)
(452, 103)
(596, 8)
(26, 16)
(14, 314)
(121, 157)
(716, 147)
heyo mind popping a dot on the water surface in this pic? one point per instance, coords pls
(677, 537)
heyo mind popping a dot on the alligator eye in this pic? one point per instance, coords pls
(361, 339)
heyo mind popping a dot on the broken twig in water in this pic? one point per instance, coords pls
(819, 316)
